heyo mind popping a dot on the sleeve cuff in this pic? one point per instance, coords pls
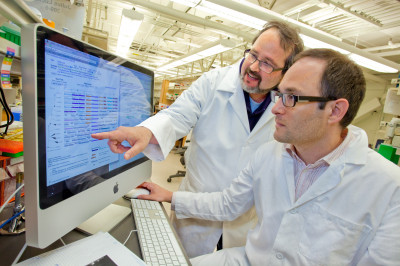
(173, 201)
(160, 126)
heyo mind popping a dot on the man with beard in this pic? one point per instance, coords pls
(229, 113)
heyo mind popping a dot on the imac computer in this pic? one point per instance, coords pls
(72, 89)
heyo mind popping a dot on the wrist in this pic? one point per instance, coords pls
(169, 196)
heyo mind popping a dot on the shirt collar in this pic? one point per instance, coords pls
(261, 108)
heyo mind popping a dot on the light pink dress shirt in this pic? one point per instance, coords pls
(306, 175)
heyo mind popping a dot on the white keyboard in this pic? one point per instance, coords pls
(157, 241)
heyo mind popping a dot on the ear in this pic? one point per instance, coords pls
(338, 109)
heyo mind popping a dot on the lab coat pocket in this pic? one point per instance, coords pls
(327, 239)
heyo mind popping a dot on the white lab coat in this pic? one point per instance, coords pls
(349, 216)
(220, 146)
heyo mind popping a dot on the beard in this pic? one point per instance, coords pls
(249, 89)
(254, 89)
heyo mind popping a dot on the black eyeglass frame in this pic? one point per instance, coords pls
(300, 99)
(248, 51)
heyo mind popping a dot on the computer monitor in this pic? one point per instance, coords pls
(70, 90)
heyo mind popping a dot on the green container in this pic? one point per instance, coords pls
(389, 153)
(10, 34)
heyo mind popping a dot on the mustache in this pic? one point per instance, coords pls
(254, 74)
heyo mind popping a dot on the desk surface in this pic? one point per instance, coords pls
(10, 246)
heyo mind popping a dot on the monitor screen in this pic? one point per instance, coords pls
(71, 90)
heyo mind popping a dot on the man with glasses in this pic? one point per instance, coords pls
(229, 113)
(321, 195)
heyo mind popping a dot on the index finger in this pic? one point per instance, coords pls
(102, 135)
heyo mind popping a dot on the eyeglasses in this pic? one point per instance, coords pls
(264, 66)
(290, 100)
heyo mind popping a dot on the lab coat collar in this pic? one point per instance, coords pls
(231, 81)
(356, 153)
(264, 119)
(326, 182)
(237, 101)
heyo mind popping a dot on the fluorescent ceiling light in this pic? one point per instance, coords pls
(314, 43)
(209, 50)
(166, 72)
(224, 12)
(189, 3)
(130, 23)
(361, 60)
(371, 64)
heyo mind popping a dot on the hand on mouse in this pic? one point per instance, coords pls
(157, 193)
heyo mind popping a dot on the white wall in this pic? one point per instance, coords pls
(376, 88)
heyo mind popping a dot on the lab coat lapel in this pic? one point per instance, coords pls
(326, 182)
(264, 119)
(236, 100)
(288, 170)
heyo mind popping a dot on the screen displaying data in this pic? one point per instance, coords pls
(86, 94)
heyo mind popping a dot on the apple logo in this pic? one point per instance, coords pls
(116, 188)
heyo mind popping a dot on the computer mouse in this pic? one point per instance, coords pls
(134, 193)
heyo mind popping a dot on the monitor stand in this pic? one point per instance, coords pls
(105, 220)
